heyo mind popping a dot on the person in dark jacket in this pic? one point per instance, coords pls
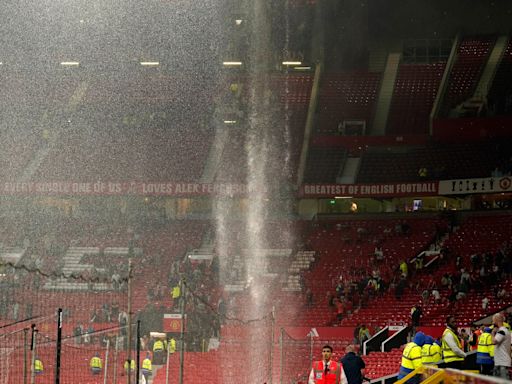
(353, 366)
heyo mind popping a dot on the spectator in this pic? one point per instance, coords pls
(464, 337)
(356, 334)
(353, 366)
(485, 303)
(378, 254)
(364, 334)
(416, 313)
(501, 340)
(436, 295)
(403, 268)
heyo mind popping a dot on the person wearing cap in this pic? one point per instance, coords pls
(327, 371)
(485, 352)
(451, 346)
(96, 364)
(411, 358)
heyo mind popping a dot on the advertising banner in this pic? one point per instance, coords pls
(480, 185)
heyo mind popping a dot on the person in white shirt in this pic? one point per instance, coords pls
(501, 340)
(327, 371)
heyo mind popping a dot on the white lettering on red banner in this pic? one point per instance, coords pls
(369, 190)
(126, 188)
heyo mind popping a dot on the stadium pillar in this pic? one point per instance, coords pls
(25, 371)
(129, 324)
(311, 348)
(182, 330)
(115, 358)
(33, 359)
(272, 327)
(281, 357)
(167, 363)
(58, 346)
(137, 345)
(106, 363)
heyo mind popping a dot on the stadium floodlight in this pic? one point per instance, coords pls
(149, 63)
(229, 121)
(238, 21)
(292, 62)
(70, 63)
(232, 63)
(302, 68)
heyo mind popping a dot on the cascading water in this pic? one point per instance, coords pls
(267, 160)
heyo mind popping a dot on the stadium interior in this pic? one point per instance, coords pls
(249, 180)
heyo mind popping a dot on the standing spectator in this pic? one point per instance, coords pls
(464, 337)
(400, 287)
(356, 334)
(501, 340)
(353, 366)
(364, 334)
(403, 268)
(416, 313)
(77, 333)
(473, 339)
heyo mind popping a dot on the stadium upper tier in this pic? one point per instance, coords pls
(151, 126)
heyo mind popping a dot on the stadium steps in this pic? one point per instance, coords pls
(385, 94)
(486, 80)
(302, 261)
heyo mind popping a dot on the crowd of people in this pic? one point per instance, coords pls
(492, 344)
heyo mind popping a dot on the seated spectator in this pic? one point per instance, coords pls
(501, 295)
(378, 254)
(424, 296)
(436, 295)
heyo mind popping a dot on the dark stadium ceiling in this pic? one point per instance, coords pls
(108, 34)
